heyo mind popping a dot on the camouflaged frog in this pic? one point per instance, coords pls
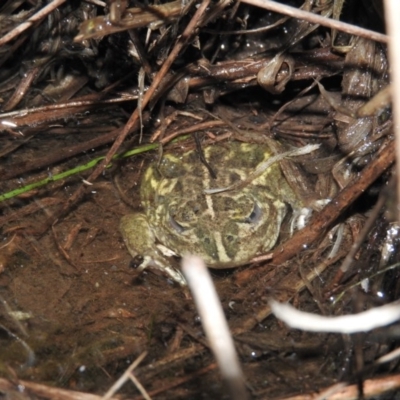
(226, 229)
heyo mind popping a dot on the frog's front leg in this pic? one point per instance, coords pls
(141, 241)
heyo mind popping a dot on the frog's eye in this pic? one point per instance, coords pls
(178, 227)
(255, 215)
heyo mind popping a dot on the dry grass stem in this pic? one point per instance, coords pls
(318, 19)
(139, 386)
(393, 355)
(363, 322)
(214, 324)
(126, 376)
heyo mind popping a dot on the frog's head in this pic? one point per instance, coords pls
(225, 230)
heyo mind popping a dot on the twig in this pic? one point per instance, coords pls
(362, 322)
(43, 391)
(362, 235)
(290, 280)
(21, 90)
(179, 381)
(36, 17)
(52, 158)
(186, 35)
(321, 221)
(214, 324)
(133, 18)
(372, 387)
(197, 128)
(389, 356)
(182, 41)
(139, 386)
(62, 106)
(318, 19)
(70, 172)
(124, 377)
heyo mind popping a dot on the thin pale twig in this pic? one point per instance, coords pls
(124, 377)
(214, 324)
(318, 19)
(139, 386)
(365, 321)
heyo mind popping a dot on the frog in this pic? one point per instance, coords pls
(185, 211)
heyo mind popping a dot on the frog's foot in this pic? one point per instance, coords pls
(168, 270)
(301, 216)
(140, 240)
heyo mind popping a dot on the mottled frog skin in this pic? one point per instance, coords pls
(226, 229)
